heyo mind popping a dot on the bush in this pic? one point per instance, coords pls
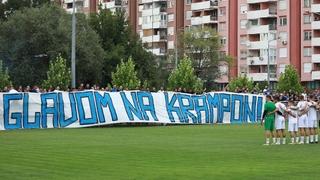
(126, 75)
(58, 75)
(184, 77)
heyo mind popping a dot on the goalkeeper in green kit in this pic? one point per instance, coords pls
(268, 118)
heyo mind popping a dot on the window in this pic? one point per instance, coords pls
(188, 1)
(222, 26)
(86, 4)
(307, 3)
(243, 9)
(254, 22)
(243, 40)
(283, 52)
(243, 24)
(307, 67)
(282, 4)
(306, 19)
(243, 69)
(283, 21)
(170, 45)
(170, 30)
(189, 15)
(140, 20)
(282, 68)
(283, 36)
(307, 35)
(243, 54)
(222, 11)
(170, 17)
(307, 52)
(163, 17)
(223, 41)
(69, 5)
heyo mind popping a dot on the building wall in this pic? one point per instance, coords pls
(252, 31)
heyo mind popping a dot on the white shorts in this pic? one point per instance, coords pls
(292, 127)
(303, 121)
(312, 123)
(280, 123)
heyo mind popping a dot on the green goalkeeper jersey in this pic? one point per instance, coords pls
(269, 107)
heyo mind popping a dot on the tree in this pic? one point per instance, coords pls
(10, 6)
(33, 36)
(58, 75)
(202, 45)
(289, 81)
(126, 75)
(4, 77)
(120, 43)
(184, 77)
(240, 83)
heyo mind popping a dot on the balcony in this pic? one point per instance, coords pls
(204, 20)
(71, 1)
(261, 60)
(315, 75)
(262, 76)
(154, 38)
(203, 5)
(315, 25)
(77, 10)
(258, 29)
(315, 8)
(315, 41)
(315, 58)
(261, 44)
(112, 4)
(153, 11)
(262, 13)
(158, 51)
(259, 1)
(155, 25)
(150, 1)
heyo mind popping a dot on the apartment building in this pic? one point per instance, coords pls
(81, 6)
(262, 35)
(311, 51)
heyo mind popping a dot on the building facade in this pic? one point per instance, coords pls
(262, 36)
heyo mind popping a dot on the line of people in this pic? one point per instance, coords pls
(302, 117)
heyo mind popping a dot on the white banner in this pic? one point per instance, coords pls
(95, 108)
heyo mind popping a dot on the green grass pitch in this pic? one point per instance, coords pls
(161, 152)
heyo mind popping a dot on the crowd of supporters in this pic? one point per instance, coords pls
(285, 96)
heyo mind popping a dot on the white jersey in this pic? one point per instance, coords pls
(291, 118)
(281, 107)
(302, 105)
(312, 113)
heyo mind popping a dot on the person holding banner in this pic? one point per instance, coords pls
(269, 118)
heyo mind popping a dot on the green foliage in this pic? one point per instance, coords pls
(119, 42)
(184, 77)
(126, 75)
(4, 77)
(262, 85)
(58, 75)
(239, 83)
(10, 6)
(289, 81)
(202, 45)
(34, 36)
